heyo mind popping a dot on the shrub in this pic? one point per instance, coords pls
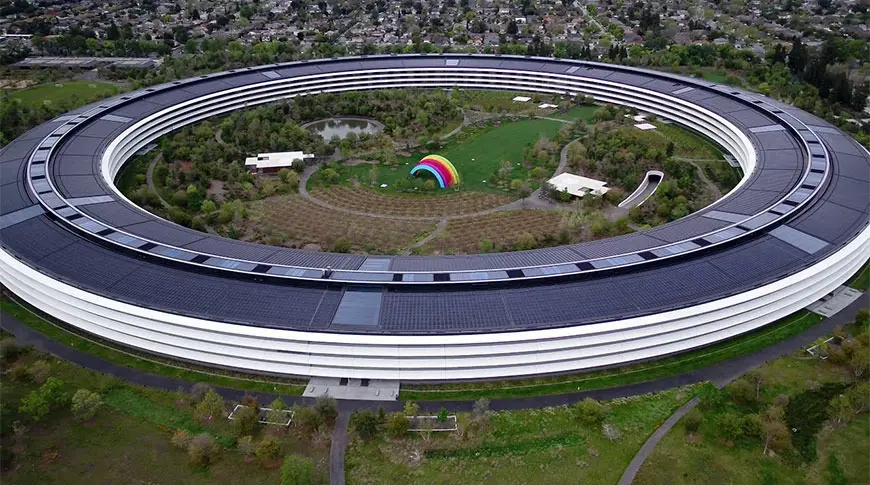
(39, 371)
(327, 408)
(277, 416)
(211, 407)
(398, 425)
(342, 245)
(9, 351)
(730, 426)
(198, 392)
(85, 404)
(412, 408)
(741, 391)
(365, 423)
(296, 471)
(245, 421)
(180, 439)
(753, 426)
(203, 450)
(269, 449)
(692, 420)
(306, 419)
(246, 446)
(590, 412)
(442, 415)
(38, 403)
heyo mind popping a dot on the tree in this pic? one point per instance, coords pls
(730, 426)
(296, 471)
(741, 391)
(211, 407)
(797, 57)
(755, 378)
(412, 409)
(364, 423)
(40, 402)
(774, 432)
(512, 28)
(203, 450)
(590, 412)
(246, 446)
(208, 206)
(85, 404)
(443, 415)
(276, 415)
(245, 421)
(398, 425)
(268, 449)
(327, 408)
(692, 420)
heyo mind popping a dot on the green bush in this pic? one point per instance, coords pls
(442, 415)
(37, 404)
(269, 449)
(245, 421)
(296, 471)
(692, 420)
(364, 423)
(246, 445)
(9, 351)
(85, 404)
(327, 408)
(730, 426)
(306, 419)
(342, 245)
(203, 450)
(180, 439)
(211, 407)
(590, 412)
(398, 425)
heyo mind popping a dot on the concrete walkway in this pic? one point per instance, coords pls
(647, 448)
(149, 179)
(338, 447)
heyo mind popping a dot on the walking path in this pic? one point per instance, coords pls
(719, 374)
(149, 179)
(338, 446)
(432, 235)
(647, 448)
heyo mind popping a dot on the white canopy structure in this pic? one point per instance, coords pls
(578, 186)
(275, 161)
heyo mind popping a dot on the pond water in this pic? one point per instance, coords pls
(341, 127)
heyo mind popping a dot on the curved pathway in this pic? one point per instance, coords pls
(149, 179)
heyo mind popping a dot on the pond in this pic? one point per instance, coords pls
(341, 127)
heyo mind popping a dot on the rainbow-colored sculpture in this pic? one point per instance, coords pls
(440, 167)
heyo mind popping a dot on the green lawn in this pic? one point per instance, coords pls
(715, 76)
(620, 376)
(585, 113)
(476, 155)
(706, 458)
(65, 92)
(687, 143)
(519, 447)
(55, 333)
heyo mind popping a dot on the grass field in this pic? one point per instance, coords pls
(476, 155)
(706, 458)
(585, 113)
(629, 374)
(519, 447)
(127, 442)
(65, 92)
(861, 280)
(687, 143)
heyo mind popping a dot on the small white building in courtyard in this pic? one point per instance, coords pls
(578, 186)
(273, 162)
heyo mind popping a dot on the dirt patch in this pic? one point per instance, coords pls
(312, 247)
(355, 162)
(375, 202)
(216, 189)
(16, 83)
(184, 165)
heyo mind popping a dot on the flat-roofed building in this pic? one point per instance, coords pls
(273, 162)
(578, 186)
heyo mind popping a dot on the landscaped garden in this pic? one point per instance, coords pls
(798, 419)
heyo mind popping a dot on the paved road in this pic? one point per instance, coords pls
(338, 446)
